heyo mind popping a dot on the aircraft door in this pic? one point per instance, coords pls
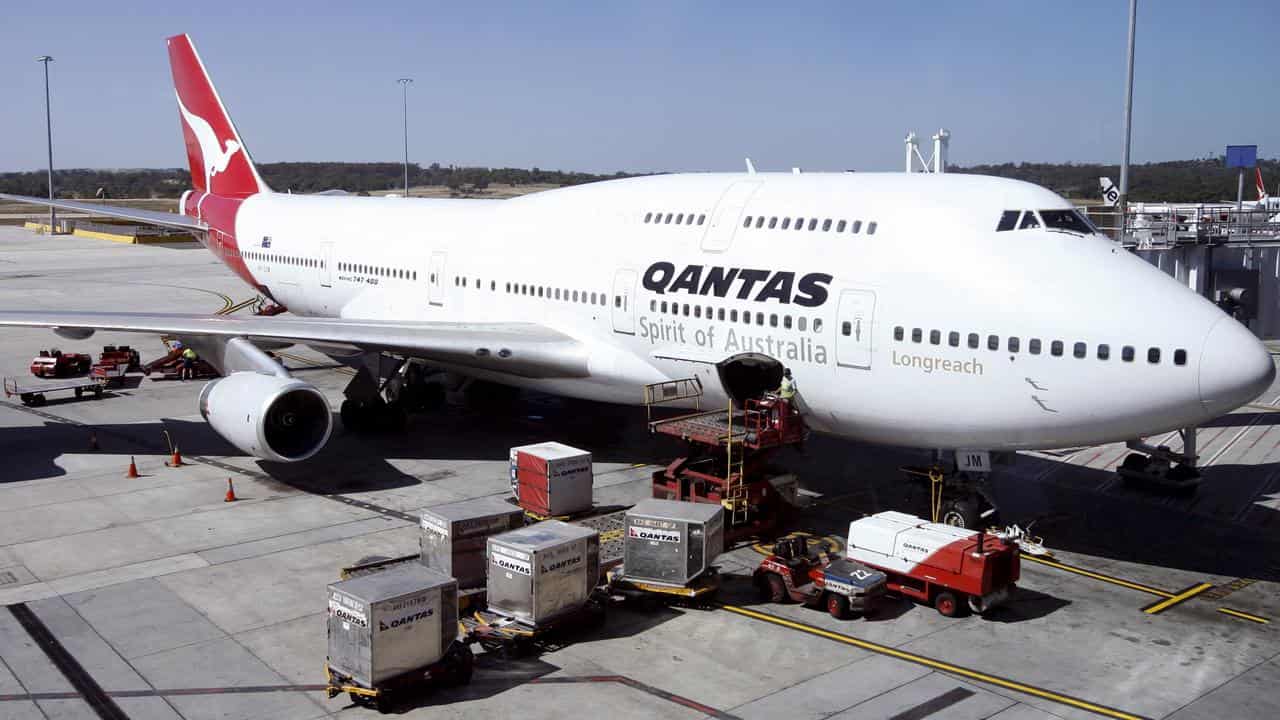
(854, 323)
(435, 279)
(326, 264)
(624, 302)
(728, 214)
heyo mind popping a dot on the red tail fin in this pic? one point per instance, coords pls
(1262, 189)
(219, 161)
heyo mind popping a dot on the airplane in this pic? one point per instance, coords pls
(1264, 202)
(936, 311)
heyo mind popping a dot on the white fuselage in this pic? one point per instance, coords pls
(585, 261)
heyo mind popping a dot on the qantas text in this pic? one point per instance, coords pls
(808, 290)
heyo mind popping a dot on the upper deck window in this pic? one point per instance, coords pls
(1068, 220)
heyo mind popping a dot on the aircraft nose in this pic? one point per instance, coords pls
(1234, 368)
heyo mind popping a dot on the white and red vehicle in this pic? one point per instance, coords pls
(937, 564)
(55, 363)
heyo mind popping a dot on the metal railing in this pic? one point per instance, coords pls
(1178, 225)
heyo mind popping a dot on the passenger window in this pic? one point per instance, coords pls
(801, 323)
(800, 223)
(826, 225)
(846, 328)
(1008, 221)
(746, 317)
(759, 222)
(701, 218)
(760, 319)
(1179, 357)
(1104, 351)
(871, 228)
(953, 339)
(733, 316)
(1029, 221)
(993, 342)
(593, 298)
(786, 322)
(1153, 355)
(663, 306)
(680, 219)
(653, 305)
(897, 333)
(857, 227)
(786, 223)
(697, 311)
(1126, 353)
(1055, 348)
(840, 226)
(773, 320)
(667, 221)
(685, 310)
(720, 314)
(557, 292)
(747, 223)
(773, 222)
(935, 337)
(1034, 346)
(973, 341)
(817, 325)
(648, 216)
(813, 223)
(1080, 350)
(1014, 344)
(916, 335)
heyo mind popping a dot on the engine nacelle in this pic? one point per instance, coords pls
(269, 417)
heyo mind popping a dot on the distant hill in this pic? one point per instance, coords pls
(1183, 180)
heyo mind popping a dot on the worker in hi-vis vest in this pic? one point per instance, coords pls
(787, 389)
(188, 364)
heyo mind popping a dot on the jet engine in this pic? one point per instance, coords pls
(268, 416)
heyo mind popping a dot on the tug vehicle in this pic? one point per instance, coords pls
(950, 568)
(54, 363)
(842, 586)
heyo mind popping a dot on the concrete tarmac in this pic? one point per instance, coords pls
(153, 598)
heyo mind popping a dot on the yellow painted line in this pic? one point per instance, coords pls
(1099, 576)
(237, 306)
(937, 664)
(1183, 596)
(1244, 616)
(1264, 408)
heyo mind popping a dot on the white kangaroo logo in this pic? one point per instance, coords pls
(215, 158)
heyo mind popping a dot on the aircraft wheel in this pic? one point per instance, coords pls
(961, 513)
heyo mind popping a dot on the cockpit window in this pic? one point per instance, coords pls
(1029, 220)
(1068, 220)
(1008, 221)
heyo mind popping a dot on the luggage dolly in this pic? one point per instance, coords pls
(512, 638)
(454, 669)
(701, 592)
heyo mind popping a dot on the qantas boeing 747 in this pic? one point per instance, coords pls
(932, 311)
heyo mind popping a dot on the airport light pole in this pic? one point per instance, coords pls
(404, 85)
(1123, 203)
(48, 131)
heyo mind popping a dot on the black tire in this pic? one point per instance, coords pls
(38, 399)
(79, 393)
(961, 513)
(464, 662)
(838, 606)
(1135, 462)
(776, 588)
(97, 392)
(26, 399)
(947, 604)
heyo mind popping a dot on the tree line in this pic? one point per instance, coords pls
(1204, 180)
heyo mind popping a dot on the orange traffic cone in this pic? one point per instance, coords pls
(176, 460)
(231, 492)
(93, 439)
(133, 469)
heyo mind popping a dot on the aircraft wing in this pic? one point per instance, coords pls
(148, 217)
(520, 349)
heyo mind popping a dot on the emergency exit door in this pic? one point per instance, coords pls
(326, 264)
(623, 302)
(435, 279)
(728, 213)
(854, 322)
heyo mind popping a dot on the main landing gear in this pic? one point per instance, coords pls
(371, 407)
(956, 498)
(1161, 468)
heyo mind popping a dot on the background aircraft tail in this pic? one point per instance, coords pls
(1262, 189)
(1110, 193)
(219, 161)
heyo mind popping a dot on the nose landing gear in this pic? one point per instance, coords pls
(1158, 467)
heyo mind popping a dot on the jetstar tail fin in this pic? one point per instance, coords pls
(219, 161)
(1109, 192)
(1262, 189)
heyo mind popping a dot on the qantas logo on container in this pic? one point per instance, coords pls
(512, 564)
(670, 536)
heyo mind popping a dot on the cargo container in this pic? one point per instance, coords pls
(551, 478)
(453, 536)
(542, 571)
(394, 629)
(671, 542)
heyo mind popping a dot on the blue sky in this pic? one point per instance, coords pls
(647, 85)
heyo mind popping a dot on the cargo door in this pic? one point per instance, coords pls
(854, 322)
(728, 214)
(326, 266)
(624, 302)
(435, 279)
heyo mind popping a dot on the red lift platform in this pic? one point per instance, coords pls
(728, 459)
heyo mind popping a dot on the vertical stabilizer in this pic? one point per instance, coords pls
(1262, 189)
(1109, 192)
(219, 161)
